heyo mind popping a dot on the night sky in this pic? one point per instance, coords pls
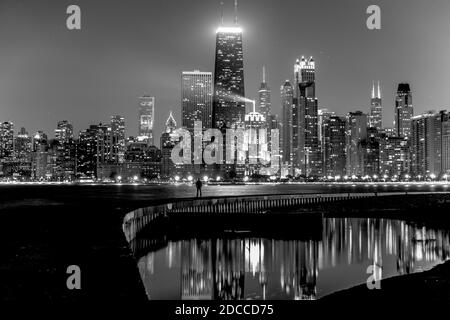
(129, 48)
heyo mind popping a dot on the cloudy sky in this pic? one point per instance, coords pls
(134, 47)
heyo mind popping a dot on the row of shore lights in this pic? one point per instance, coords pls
(385, 177)
(336, 178)
(218, 178)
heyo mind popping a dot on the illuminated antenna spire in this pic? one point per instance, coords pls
(379, 90)
(235, 13)
(373, 89)
(264, 74)
(221, 12)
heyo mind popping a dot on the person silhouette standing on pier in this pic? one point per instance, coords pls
(198, 185)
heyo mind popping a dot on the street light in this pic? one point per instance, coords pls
(205, 178)
(177, 178)
(246, 178)
(190, 178)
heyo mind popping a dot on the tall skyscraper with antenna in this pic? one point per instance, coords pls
(228, 103)
(376, 111)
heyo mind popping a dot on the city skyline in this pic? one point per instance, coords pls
(104, 152)
(49, 110)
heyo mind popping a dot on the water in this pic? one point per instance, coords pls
(15, 194)
(336, 256)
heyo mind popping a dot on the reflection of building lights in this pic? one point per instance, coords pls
(255, 255)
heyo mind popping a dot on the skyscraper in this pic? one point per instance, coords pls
(40, 153)
(334, 146)
(394, 156)
(229, 93)
(298, 124)
(255, 123)
(196, 98)
(376, 111)
(287, 104)
(23, 146)
(6, 140)
(146, 118)
(168, 142)
(264, 100)
(356, 134)
(323, 116)
(305, 135)
(403, 111)
(427, 147)
(118, 132)
(63, 131)
(94, 149)
(63, 150)
(445, 143)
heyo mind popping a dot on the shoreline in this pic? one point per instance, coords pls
(221, 184)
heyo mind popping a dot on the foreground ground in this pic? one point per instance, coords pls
(46, 229)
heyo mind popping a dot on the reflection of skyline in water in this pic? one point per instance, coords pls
(253, 268)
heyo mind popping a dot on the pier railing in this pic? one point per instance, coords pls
(136, 220)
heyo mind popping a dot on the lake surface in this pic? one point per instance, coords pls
(336, 258)
(49, 227)
(35, 194)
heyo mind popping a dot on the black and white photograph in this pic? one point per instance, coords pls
(224, 158)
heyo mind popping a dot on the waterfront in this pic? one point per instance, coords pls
(49, 227)
(47, 191)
